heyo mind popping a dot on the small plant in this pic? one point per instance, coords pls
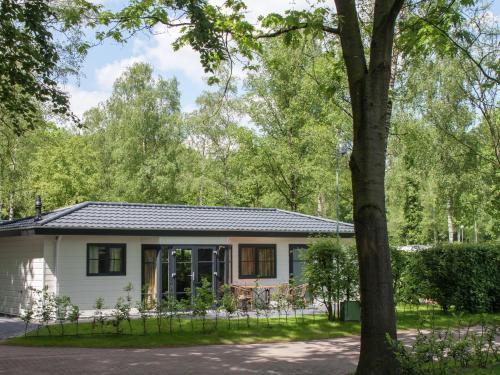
(259, 300)
(118, 314)
(183, 306)
(143, 308)
(62, 304)
(74, 315)
(36, 306)
(158, 312)
(202, 301)
(297, 301)
(127, 305)
(171, 308)
(441, 352)
(99, 317)
(228, 304)
(279, 297)
(27, 317)
(47, 308)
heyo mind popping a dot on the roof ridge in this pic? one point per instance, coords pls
(316, 217)
(178, 205)
(63, 212)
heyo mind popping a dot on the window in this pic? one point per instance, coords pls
(105, 259)
(297, 263)
(257, 261)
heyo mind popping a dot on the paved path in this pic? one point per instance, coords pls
(335, 356)
(10, 327)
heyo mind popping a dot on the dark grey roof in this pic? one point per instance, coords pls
(139, 217)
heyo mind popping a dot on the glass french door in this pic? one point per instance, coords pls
(204, 265)
(183, 274)
(179, 270)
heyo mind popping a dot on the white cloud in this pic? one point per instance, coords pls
(156, 49)
(108, 74)
(82, 100)
(161, 54)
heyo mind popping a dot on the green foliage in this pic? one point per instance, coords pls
(74, 315)
(41, 43)
(406, 288)
(286, 101)
(203, 300)
(279, 297)
(47, 307)
(229, 303)
(62, 304)
(99, 317)
(331, 272)
(464, 276)
(27, 317)
(441, 352)
(119, 314)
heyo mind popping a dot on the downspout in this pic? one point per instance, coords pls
(56, 260)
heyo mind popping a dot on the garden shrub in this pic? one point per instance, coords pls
(331, 271)
(465, 276)
(440, 352)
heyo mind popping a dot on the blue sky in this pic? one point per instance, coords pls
(106, 62)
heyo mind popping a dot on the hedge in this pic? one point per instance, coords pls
(463, 276)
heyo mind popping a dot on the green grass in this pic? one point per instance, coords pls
(311, 328)
(493, 370)
(426, 317)
(239, 333)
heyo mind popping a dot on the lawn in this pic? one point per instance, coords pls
(493, 370)
(190, 333)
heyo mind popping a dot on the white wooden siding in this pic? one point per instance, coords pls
(84, 290)
(39, 260)
(21, 267)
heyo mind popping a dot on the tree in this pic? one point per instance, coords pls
(366, 36)
(286, 101)
(139, 131)
(33, 59)
(214, 132)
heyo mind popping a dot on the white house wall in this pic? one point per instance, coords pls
(21, 267)
(84, 290)
(60, 263)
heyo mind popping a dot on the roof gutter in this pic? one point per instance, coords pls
(193, 233)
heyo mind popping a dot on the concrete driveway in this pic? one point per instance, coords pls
(335, 356)
(10, 327)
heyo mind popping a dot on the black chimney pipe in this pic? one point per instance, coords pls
(38, 208)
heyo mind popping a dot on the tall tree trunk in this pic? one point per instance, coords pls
(11, 204)
(320, 204)
(226, 179)
(294, 196)
(369, 94)
(13, 181)
(475, 230)
(449, 211)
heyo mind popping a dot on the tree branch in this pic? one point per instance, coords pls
(461, 48)
(325, 28)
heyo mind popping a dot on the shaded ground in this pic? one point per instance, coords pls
(334, 356)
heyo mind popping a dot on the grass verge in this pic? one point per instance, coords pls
(239, 331)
